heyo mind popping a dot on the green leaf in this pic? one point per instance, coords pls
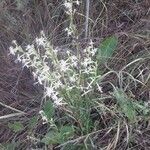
(66, 132)
(9, 146)
(106, 49)
(32, 122)
(59, 136)
(125, 104)
(51, 138)
(16, 126)
(49, 109)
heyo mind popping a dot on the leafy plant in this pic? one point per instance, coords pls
(58, 136)
(48, 109)
(9, 146)
(16, 126)
(126, 104)
(106, 49)
(32, 122)
(71, 85)
(81, 108)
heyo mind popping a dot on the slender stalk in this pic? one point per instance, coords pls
(87, 18)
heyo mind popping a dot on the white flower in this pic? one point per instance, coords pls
(147, 104)
(25, 62)
(74, 60)
(54, 97)
(89, 69)
(87, 61)
(41, 77)
(90, 50)
(18, 59)
(68, 6)
(69, 31)
(55, 51)
(89, 86)
(45, 69)
(44, 117)
(68, 52)
(72, 78)
(91, 43)
(93, 51)
(42, 33)
(29, 47)
(34, 75)
(69, 88)
(58, 84)
(81, 88)
(14, 42)
(39, 80)
(40, 41)
(86, 71)
(49, 91)
(12, 50)
(77, 2)
(56, 76)
(58, 102)
(63, 66)
(99, 88)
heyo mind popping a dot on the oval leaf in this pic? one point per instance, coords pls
(125, 104)
(16, 126)
(106, 49)
(49, 109)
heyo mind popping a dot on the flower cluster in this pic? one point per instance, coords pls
(54, 73)
(70, 11)
(69, 5)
